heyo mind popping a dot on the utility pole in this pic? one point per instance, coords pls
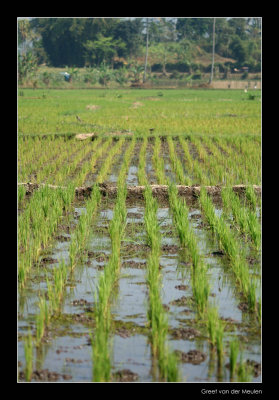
(213, 52)
(146, 51)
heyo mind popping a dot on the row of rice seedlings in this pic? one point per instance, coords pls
(245, 218)
(101, 346)
(28, 352)
(142, 161)
(253, 200)
(195, 168)
(156, 314)
(176, 164)
(55, 293)
(81, 234)
(158, 161)
(231, 246)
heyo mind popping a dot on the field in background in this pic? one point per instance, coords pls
(141, 111)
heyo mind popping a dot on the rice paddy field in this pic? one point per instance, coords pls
(139, 247)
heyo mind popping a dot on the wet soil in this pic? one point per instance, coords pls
(133, 264)
(185, 333)
(192, 356)
(44, 375)
(125, 375)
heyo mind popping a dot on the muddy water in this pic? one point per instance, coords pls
(66, 349)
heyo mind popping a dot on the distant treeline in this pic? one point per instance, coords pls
(79, 42)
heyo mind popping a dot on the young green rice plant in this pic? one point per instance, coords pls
(180, 215)
(176, 164)
(244, 371)
(21, 194)
(28, 351)
(201, 288)
(252, 197)
(142, 161)
(158, 161)
(212, 325)
(40, 325)
(234, 349)
(252, 299)
(219, 342)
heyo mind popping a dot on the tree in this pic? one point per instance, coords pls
(103, 49)
(193, 28)
(238, 50)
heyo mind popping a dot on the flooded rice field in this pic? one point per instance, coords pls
(64, 352)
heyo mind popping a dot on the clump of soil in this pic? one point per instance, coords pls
(82, 318)
(44, 375)
(134, 215)
(135, 247)
(125, 375)
(256, 367)
(123, 332)
(217, 253)
(80, 302)
(62, 238)
(185, 333)
(243, 306)
(193, 356)
(170, 248)
(182, 301)
(48, 260)
(182, 287)
(100, 257)
(134, 264)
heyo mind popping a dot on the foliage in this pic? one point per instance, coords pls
(81, 41)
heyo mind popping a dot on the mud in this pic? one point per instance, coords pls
(185, 333)
(44, 375)
(137, 192)
(125, 375)
(133, 264)
(192, 356)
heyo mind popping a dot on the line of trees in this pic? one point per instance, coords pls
(92, 41)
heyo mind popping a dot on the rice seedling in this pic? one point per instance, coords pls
(234, 349)
(28, 352)
(212, 323)
(244, 371)
(40, 325)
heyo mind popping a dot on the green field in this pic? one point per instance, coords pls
(168, 112)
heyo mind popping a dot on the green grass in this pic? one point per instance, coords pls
(174, 112)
